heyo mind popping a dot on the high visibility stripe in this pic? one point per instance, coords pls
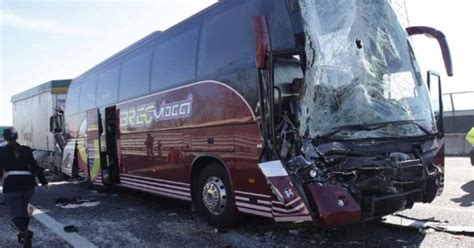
(18, 173)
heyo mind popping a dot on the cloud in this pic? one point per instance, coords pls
(11, 19)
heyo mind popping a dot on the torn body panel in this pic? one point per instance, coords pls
(288, 204)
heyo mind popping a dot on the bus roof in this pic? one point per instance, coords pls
(145, 41)
(55, 86)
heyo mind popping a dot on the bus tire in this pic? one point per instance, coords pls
(214, 197)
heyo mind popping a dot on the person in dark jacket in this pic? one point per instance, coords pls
(19, 169)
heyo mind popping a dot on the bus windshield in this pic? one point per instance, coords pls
(361, 71)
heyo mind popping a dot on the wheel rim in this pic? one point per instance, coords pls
(214, 195)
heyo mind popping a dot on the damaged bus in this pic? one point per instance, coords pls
(295, 110)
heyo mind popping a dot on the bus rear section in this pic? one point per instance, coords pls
(302, 111)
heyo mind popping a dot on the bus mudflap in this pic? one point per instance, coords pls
(287, 203)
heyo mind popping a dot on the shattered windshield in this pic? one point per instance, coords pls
(361, 71)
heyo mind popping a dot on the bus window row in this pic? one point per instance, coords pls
(220, 41)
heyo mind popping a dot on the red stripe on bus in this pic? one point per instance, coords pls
(155, 179)
(155, 184)
(124, 182)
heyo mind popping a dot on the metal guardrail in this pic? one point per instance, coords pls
(458, 101)
(458, 120)
(456, 145)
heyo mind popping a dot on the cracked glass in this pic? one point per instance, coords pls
(361, 71)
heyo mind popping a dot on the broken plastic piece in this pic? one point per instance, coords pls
(426, 224)
(374, 81)
(70, 229)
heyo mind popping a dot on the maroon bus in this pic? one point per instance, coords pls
(295, 110)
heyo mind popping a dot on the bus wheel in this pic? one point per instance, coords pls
(215, 198)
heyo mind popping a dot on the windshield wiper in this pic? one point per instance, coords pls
(374, 126)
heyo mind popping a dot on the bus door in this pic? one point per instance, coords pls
(94, 129)
(434, 85)
(110, 169)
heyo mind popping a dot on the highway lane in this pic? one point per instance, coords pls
(127, 218)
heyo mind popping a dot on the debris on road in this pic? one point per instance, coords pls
(269, 234)
(75, 202)
(70, 229)
(426, 230)
(426, 226)
(294, 232)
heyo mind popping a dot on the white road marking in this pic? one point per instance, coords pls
(58, 183)
(443, 208)
(73, 239)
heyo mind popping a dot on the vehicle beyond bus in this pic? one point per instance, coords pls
(334, 125)
(31, 111)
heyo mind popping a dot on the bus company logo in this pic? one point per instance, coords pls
(145, 115)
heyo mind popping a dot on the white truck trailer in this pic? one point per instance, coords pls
(32, 110)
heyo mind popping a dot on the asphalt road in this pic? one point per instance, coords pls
(130, 219)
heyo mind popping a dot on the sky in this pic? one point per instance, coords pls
(42, 40)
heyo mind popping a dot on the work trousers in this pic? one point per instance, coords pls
(17, 203)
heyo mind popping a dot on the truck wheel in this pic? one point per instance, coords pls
(215, 198)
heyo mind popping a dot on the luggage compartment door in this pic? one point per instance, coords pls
(110, 165)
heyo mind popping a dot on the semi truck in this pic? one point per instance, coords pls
(31, 117)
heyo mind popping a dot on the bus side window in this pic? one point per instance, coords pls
(280, 25)
(72, 103)
(87, 95)
(227, 38)
(135, 75)
(174, 59)
(107, 90)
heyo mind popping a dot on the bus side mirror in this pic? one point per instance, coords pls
(436, 93)
(438, 35)
(56, 123)
(51, 124)
(262, 41)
